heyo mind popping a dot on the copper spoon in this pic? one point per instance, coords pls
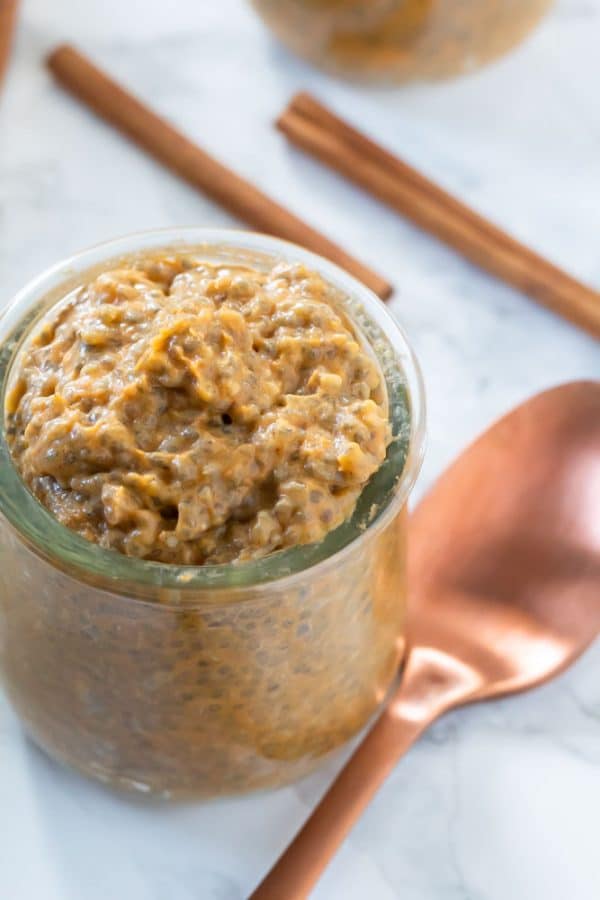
(505, 572)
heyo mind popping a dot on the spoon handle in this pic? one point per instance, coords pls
(432, 683)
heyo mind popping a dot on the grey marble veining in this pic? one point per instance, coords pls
(498, 801)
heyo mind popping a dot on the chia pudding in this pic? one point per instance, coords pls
(198, 414)
(400, 40)
(204, 462)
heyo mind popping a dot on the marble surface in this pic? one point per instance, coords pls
(498, 801)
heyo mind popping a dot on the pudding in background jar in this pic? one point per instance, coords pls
(401, 40)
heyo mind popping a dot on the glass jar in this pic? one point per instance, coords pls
(198, 681)
(400, 40)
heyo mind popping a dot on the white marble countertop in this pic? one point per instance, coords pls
(498, 801)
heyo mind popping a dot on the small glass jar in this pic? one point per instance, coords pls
(401, 40)
(198, 681)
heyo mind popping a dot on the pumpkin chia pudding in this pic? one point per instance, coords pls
(401, 40)
(204, 464)
(198, 414)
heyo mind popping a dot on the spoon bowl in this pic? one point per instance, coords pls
(504, 564)
(505, 550)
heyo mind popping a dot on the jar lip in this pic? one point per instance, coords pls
(47, 535)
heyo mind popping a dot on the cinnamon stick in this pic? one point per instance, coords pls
(8, 15)
(160, 139)
(317, 130)
(310, 108)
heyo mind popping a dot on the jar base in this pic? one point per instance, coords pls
(136, 789)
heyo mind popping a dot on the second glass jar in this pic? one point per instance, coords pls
(401, 40)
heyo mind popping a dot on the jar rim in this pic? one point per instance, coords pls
(61, 545)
